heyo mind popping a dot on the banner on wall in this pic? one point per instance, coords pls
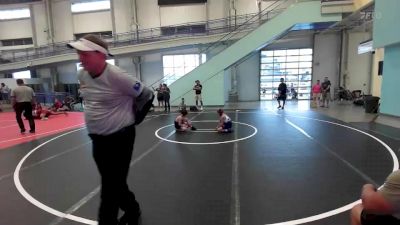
(336, 2)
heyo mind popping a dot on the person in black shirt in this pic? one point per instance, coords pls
(198, 87)
(282, 89)
(166, 96)
(326, 92)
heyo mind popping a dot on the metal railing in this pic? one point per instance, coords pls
(258, 19)
(252, 22)
(201, 28)
(231, 26)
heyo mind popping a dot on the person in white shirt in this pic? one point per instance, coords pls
(379, 207)
(182, 123)
(114, 103)
(23, 98)
(225, 122)
(5, 93)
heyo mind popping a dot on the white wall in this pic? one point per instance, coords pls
(123, 15)
(126, 63)
(250, 6)
(62, 21)
(67, 73)
(92, 22)
(152, 68)
(248, 78)
(217, 9)
(326, 58)
(148, 14)
(358, 66)
(246, 6)
(13, 29)
(292, 43)
(171, 15)
(40, 23)
(44, 72)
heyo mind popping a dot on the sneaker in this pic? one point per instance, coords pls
(23, 131)
(128, 219)
(279, 107)
(283, 107)
(32, 131)
(201, 108)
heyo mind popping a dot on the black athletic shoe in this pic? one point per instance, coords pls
(279, 107)
(32, 131)
(23, 131)
(131, 219)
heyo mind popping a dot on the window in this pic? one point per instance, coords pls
(90, 6)
(110, 61)
(103, 34)
(294, 65)
(175, 66)
(15, 14)
(15, 42)
(22, 75)
(188, 29)
(175, 2)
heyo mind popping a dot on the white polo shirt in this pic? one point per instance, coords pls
(23, 93)
(109, 99)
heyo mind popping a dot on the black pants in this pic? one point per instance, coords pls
(166, 103)
(112, 154)
(283, 98)
(25, 107)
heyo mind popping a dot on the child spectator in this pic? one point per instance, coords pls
(182, 123)
(225, 122)
(182, 105)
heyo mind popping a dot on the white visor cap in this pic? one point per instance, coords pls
(88, 46)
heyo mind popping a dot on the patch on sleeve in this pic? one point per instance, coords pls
(136, 87)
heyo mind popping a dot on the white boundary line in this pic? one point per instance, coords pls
(207, 143)
(9, 126)
(35, 202)
(40, 134)
(68, 213)
(235, 193)
(299, 129)
(8, 121)
(348, 206)
(291, 222)
(337, 156)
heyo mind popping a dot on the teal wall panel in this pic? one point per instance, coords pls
(386, 27)
(390, 103)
